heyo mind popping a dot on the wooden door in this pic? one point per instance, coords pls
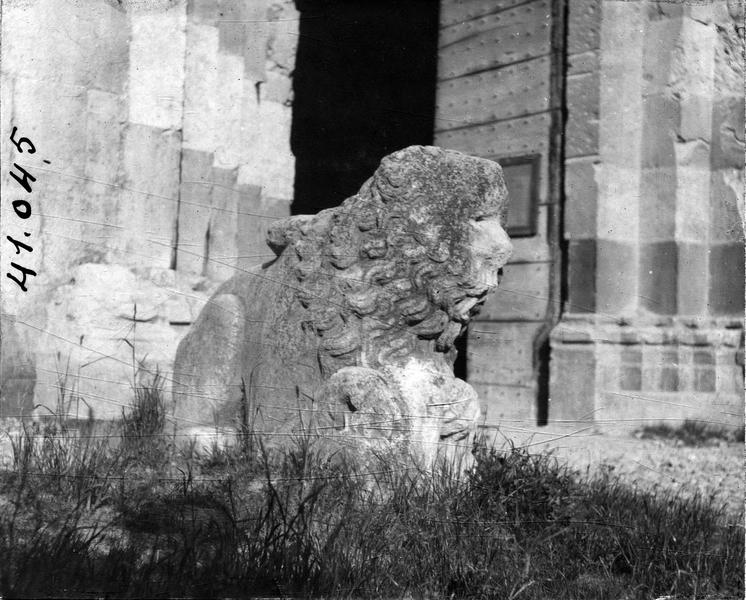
(498, 90)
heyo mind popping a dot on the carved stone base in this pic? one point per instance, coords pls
(625, 375)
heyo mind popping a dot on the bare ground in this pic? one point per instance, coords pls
(715, 469)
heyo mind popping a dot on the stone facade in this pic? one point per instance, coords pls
(654, 149)
(166, 126)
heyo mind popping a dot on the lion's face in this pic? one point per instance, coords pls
(489, 249)
(455, 208)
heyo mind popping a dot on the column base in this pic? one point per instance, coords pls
(622, 376)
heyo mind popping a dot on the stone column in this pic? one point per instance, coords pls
(652, 321)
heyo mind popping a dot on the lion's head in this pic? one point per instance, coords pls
(399, 269)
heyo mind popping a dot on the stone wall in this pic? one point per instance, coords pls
(166, 127)
(654, 158)
(165, 124)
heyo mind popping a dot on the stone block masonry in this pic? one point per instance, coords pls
(166, 127)
(652, 328)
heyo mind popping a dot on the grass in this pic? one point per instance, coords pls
(693, 433)
(81, 515)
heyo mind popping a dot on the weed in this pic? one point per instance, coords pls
(307, 520)
(142, 425)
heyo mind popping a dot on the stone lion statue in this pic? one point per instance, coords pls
(349, 332)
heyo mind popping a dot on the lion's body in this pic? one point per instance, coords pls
(371, 294)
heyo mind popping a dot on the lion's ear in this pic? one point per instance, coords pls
(284, 232)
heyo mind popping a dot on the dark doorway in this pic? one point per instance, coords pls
(364, 86)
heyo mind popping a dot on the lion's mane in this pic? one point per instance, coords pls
(382, 276)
